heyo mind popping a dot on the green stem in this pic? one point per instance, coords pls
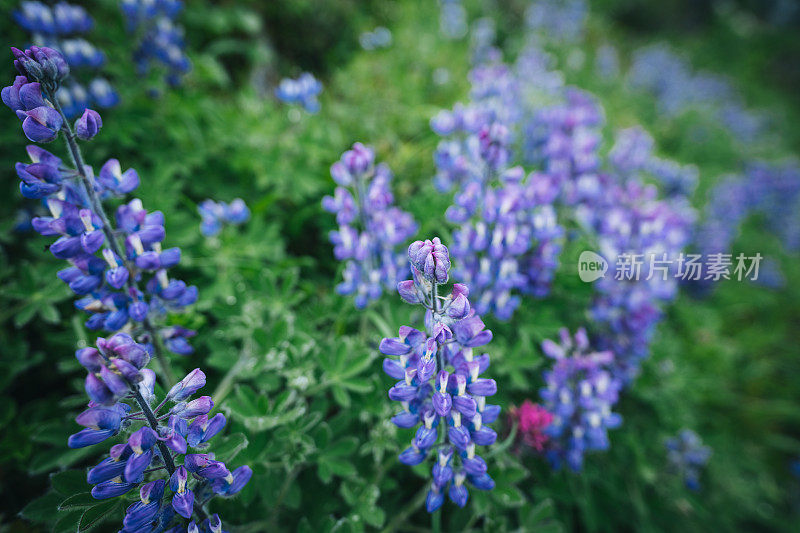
(97, 206)
(166, 455)
(436, 521)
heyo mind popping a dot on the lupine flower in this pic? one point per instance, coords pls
(105, 275)
(117, 383)
(453, 19)
(580, 394)
(380, 37)
(557, 19)
(634, 222)
(216, 214)
(677, 88)
(60, 27)
(160, 39)
(303, 91)
(440, 390)
(370, 227)
(532, 421)
(508, 239)
(687, 457)
(87, 126)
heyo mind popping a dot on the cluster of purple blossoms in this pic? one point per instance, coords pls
(303, 91)
(440, 389)
(670, 78)
(580, 394)
(508, 239)
(59, 27)
(380, 37)
(216, 214)
(453, 21)
(771, 191)
(687, 456)
(121, 285)
(121, 394)
(161, 41)
(564, 140)
(632, 222)
(370, 227)
(558, 19)
(120, 387)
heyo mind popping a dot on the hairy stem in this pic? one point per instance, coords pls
(166, 455)
(97, 206)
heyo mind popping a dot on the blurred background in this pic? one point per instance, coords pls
(295, 365)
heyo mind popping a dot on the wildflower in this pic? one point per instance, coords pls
(160, 42)
(532, 421)
(580, 394)
(60, 28)
(87, 126)
(687, 456)
(370, 227)
(440, 390)
(303, 91)
(215, 214)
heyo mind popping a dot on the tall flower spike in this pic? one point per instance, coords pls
(109, 287)
(439, 387)
(107, 264)
(371, 228)
(580, 394)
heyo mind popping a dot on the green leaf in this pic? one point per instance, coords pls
(228, 448)
(69, 482)
(77, 501)
(42, 509)
(509, 496)
(94, 515)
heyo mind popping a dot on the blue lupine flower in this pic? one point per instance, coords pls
(60, 28)
(303, 91)
(440, 390)
(370, 227)
(453, 19)
(161, 43)
(216, 214)
(677, 88)
(108, 286)
(380, 37)
(557, 19)
(580, 394)
(687, 457)
(508, 239)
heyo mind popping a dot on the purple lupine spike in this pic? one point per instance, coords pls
(456, 399)
(370, 228)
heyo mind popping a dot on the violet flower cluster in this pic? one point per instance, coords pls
(215, 215)
(558, 19)
(61, 27)
(303, 91)
(440, 390)
(121, 285)
(165, 453)
(159, 38)
(687, 457)
(670, 78)
(370, 227)
(508, 240)
(771, 191)
(580, 394)
(120, 387)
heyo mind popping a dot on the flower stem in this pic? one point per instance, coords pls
(88, 184)
(436, 521)
(166, 455)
